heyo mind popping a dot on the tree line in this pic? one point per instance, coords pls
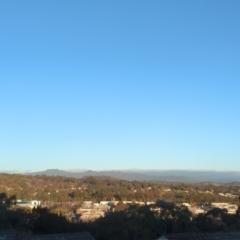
(64, 189)
(127, 222)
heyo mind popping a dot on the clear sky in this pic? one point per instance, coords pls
(120, 84)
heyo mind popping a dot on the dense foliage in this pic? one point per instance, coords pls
(128, 221)
(131, 222)
(62, 189)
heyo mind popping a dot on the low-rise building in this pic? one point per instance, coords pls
(28, 204)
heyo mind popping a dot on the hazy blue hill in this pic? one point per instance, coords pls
(188, 176)
(197, 175)
(51, 172)
(130, 176)
(152, 175)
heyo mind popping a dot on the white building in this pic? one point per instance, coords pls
(28, 204)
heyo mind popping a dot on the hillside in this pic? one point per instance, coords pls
(129, 176)
(184, 176)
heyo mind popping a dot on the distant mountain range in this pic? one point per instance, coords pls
(187, 176)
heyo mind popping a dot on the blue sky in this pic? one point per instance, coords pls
(119, 84)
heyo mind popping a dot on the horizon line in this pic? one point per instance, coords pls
(126, 169)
